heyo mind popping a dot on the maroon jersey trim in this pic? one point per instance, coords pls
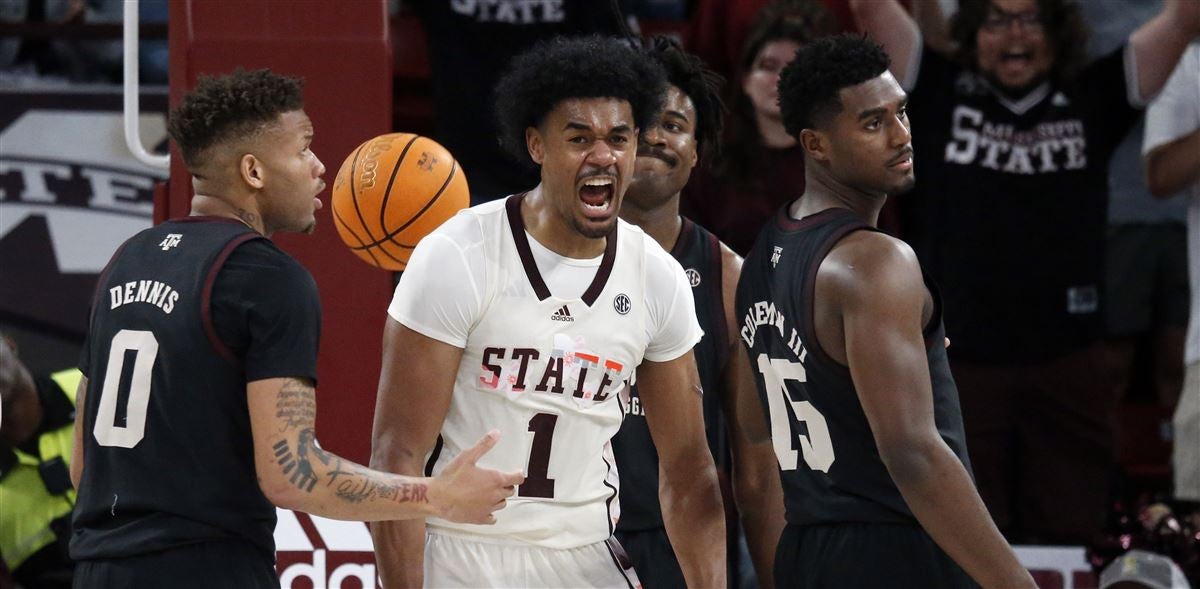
(206, 297)
(517, 225)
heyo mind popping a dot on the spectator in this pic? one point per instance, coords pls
(35, 487)
(470, 45)
(1146, 292)
(1172, 150)
(1008, 214)
(762, 167)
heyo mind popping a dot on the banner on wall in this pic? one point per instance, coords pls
(70, 193)
(318, 553)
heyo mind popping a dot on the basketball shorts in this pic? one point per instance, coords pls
(864, 556)
(461, 561)
(204, 565)
(653, 558)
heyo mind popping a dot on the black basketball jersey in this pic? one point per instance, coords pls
(168, 450)
(829, 465)
(699, 252)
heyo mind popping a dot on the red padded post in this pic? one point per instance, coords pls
(342, 50)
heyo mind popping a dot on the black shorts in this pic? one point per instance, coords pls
(653, 558)
(195, 566)
(864, 556)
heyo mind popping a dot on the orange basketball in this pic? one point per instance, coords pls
(392, 191)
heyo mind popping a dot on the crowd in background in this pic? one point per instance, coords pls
(1064, 272)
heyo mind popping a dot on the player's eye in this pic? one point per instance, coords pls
(578, 139)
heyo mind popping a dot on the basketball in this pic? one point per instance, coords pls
(392, 191)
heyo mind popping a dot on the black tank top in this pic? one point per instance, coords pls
(167, 438)
(829, 464)
(699, 252)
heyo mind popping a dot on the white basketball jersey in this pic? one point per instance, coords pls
(547, 372)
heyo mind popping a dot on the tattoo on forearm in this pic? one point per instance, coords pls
(350, 482)
(296, 405)
(355, 486)
(298, 466)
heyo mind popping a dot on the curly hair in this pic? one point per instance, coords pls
(563, 68)
(224, 108)
(799, 21)
(700, 83)
(1066, 32)
(809, 85)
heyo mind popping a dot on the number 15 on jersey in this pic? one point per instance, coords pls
(816, 446)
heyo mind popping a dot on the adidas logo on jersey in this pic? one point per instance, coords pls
(562, 314)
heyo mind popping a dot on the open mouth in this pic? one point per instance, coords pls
(1016, 57)
(596, 194)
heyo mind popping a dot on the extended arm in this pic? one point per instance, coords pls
(1158, 44)
(409, 410)
(688, 489)
(877, 288)
(77, 437)
(756, 487)
(890, 25)
(294, 472)
(1173, 166)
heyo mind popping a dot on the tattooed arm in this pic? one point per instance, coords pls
(295, 473)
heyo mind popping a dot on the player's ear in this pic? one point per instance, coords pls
(815, 144)
(533, 142)
(251, 171)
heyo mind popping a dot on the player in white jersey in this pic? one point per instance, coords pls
(530, 315)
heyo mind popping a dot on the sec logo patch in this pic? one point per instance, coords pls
(622, 304)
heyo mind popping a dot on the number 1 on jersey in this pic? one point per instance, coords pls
(816, 446)
(537, 480)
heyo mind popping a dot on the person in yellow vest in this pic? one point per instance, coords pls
(35, 487)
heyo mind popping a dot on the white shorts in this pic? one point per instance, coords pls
(456, 561)
(1186, 454)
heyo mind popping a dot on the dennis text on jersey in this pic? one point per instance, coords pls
(144, 291)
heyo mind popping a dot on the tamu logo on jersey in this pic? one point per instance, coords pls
(567, 369)
(170, 241)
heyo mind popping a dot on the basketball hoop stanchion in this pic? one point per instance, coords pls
(133, 138)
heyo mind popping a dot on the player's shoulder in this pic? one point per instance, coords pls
(470, 226)
(656, 258)
(871, 262)
(262, 261)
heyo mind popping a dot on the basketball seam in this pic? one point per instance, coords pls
(338, 218)
(388, 236)
(354, 193)
(387, 193)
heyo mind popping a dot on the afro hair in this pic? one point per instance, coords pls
(563, 68)
(702, 85)
(230, 107)
(809, 85)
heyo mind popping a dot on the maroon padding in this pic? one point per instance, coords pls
(206, 296)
